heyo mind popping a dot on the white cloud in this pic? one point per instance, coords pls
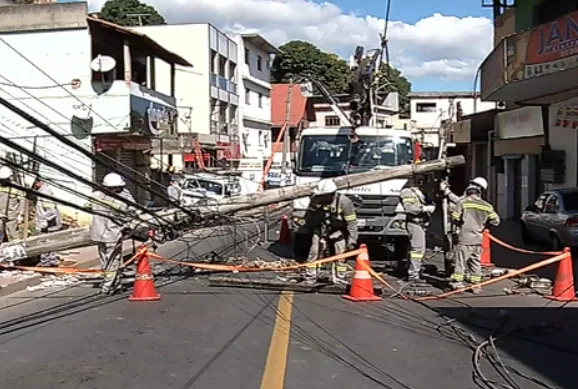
(439, 46)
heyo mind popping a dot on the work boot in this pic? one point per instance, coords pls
(338, 274)
(455, 285)
(476, 289)
(311, 275)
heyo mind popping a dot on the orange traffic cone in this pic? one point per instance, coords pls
(285, 234)
(563, 289)
(362, 285)
(144, 282)
(486, 257)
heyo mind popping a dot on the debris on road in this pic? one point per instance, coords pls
(55, 282)
(10, 276)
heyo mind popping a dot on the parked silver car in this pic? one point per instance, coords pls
(552, 219)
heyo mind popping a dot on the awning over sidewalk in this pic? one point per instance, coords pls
(534, 67)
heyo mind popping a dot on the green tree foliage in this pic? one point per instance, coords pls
(24, 2)
(131, 13)
(299, 58)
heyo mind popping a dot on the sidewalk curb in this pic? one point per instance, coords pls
(35, 280)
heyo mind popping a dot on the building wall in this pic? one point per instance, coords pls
(434, 118)
(56, 104)
(191, 41)
(325, 117)
(564, 138)
(504, 25)
(525, 14)
(255, 100)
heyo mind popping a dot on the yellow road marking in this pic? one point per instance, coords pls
(274, 375)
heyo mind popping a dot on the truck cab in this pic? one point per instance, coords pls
(332, 152)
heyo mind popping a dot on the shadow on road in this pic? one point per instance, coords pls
(533, 340)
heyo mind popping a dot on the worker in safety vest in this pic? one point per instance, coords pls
(331, 219)
(11, 206)
(46, 219)
(471, 214)
(453, 200)
(418, 215)
(107, 232)
(174, 192)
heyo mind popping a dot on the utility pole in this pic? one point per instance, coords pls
(445, 129)
(286, 145)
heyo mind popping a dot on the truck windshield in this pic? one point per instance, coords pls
(333, 155)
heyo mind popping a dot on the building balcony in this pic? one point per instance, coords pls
(539, 66)
(134, 110)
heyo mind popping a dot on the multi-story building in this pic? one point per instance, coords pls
(207, 95)
(430, 110)
(255, 89)
(533, 69)
(288, 98)
(97, 89)
(320, 113)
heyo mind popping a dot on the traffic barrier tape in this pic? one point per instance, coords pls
(511, 274)
(245, 269)
(522, 251)
(69, 270)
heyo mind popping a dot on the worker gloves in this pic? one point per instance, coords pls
(351, 246)
(444, 187)
(429, 209)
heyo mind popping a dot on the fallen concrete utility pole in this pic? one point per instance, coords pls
(243, 203)
(75, 238)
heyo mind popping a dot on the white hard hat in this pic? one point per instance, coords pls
(325, 187)
(5, 173)
(113, 180)
(481, 182)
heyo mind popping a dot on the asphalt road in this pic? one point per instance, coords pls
(201, 337)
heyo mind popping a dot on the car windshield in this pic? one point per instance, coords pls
(570, 200)
(210, 186)
(334, 154)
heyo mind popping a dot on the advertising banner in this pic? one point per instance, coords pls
(546, 49)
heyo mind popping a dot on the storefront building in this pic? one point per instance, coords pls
(518, 142)
(535, 67)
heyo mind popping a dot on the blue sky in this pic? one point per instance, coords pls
(411, 11)
(437, 44)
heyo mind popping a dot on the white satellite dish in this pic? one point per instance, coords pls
(103, 64)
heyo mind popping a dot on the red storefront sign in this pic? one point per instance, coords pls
(554, 41)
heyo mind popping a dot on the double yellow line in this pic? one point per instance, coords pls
(276, 365)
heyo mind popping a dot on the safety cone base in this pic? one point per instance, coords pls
(150, 298)
(361, 299)
(561, 298)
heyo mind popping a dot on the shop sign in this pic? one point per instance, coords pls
(546, 49)
(114, 142)
(567, 116)
(520, 123)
